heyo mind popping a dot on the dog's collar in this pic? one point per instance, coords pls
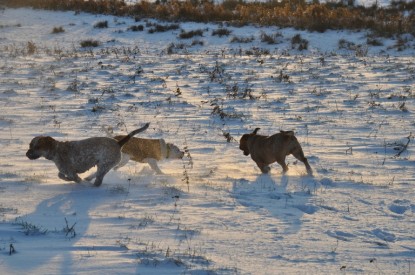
(167, 151)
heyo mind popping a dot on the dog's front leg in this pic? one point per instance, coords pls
(153, 165)
(264, 168)
(63, 177)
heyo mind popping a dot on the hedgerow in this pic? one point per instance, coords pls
(397, 18)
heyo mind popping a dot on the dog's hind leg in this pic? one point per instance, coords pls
(98, 180)
(124, 159)
(101, 172)
(298, 154)
(103, 169)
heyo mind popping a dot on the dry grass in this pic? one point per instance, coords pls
(385, 21)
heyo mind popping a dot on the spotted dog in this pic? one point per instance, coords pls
(75, 157)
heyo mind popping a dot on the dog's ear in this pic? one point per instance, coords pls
(45, 142)
(287, 133)
(255, 131)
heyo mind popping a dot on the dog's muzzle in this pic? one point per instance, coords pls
(32, 155)
(246, 152)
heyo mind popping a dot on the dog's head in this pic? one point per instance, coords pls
(173, 152)
(243, 142)
(40, 147)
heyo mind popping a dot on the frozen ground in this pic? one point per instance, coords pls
(352, 109)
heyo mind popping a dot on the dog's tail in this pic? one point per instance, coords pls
(133, 133)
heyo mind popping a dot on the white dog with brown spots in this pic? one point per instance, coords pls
(145, 150)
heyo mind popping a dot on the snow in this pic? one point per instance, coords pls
(352, 109)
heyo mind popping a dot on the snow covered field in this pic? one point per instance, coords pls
(350, 104)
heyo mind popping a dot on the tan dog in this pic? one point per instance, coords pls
(75, 157)
(265, 150)
(148, 151)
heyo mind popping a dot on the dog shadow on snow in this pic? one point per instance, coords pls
(287, 198)
(57, 227)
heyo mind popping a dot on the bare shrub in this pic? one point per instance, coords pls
(221, 32)
(237, 39)
(402, 42)
(190, 34)
(229, 138)
(137, 28)
(361, 50)
(298, 42)
(162, 28)
(216, 74)
(236, 92)
(346, 45)
(101, 25)
(31, 48)
(89, 43)
(257, 51)
(197, 42)
(58, 30)
(9, 26)
(270, 38)
(29, 228)
(173, 48)
(374, 41)
(219, 110)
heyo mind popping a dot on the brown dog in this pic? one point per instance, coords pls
(149, 151)
(75, 157)
(265, 150)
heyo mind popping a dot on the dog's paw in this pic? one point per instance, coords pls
(63, 177)
(265, 169)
